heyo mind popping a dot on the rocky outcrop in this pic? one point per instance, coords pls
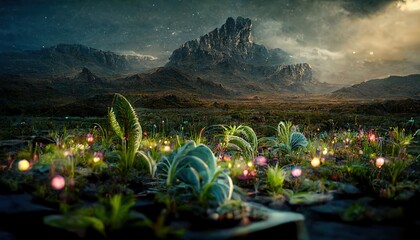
(296, 73)
(229, 54)
(232, 42)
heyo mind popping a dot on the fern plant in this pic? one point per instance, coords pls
(195, 166)
(125, 124)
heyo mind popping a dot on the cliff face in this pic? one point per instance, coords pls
(65, 59)
(230, 53)
(232, 42)
(88, 54)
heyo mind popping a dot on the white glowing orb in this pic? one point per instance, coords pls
(58, 182)
(315, 162)
(67, 153)
(371, 53)
(379, 162)
(249, 164)
(23, 165)
(325, 151)
(166, 148)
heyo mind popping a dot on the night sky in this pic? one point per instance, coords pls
(345, 41)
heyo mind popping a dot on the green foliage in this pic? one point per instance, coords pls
(354, 212)
(275, 179)
(399, 142)
(195, 166)
(109, 215)
(126, 126)
(287, 141)
(241, 139)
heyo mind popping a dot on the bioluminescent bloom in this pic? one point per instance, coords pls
(379, 162)
(296, 172)
(67, 153)
(372, 137)
(315, 162)
(58, 182)
(98, 156)
(23, 165)
(260, 160)
(90, 138)
(167, 148)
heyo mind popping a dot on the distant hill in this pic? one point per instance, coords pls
(65, 59)
(393, 87)
(170, 79)
(86, 94)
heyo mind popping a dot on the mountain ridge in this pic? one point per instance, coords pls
(391, 87)
(67, 59)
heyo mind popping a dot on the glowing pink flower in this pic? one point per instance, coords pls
(260, 160)
(296, 172)
(58, 182)
(89, 138)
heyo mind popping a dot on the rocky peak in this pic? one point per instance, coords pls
(232, 43)
(301, 72)
(231, 34)
(86, 76)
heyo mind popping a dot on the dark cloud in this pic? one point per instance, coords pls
(366, 7)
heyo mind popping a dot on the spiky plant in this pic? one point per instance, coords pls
(125, 124)
(275, 179)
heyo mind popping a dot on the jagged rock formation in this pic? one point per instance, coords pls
(228, 54)
(232, 42)
(64, 59)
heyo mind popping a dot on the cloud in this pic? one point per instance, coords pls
(139, 55)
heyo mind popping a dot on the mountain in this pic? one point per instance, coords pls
(165, 79)
(229, 56)
(65, 59)
(232, 42)
(393, 87)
